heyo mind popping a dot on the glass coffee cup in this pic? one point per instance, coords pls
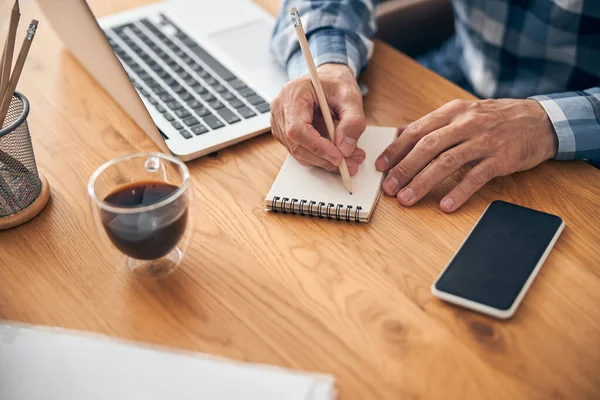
(142, 208)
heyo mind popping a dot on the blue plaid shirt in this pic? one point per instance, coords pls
(547, 50)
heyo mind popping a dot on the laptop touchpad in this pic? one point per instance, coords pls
(247, 44)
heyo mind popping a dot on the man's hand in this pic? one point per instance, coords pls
(297, 123)
(496, 137)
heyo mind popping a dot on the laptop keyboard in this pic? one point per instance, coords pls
(191, 89)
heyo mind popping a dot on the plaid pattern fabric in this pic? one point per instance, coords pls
(547, 50)
(576, 120)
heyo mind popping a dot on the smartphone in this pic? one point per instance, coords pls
(494, 267)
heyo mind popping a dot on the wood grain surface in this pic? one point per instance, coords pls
(345, 299)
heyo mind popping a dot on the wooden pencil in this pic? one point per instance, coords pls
(16, 74)
(7, 54)
(314, 77)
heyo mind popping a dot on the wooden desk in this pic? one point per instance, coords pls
(345, 299)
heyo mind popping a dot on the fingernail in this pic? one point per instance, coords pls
(347, 146)
(391, 186)
(358, 158)
(352, 169)
(406, 195)
(448, 204)
(382, 163)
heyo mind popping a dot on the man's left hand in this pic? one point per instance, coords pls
(496, 137)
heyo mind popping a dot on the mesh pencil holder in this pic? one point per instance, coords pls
(23, 191)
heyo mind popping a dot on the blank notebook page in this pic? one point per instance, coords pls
(314, 191)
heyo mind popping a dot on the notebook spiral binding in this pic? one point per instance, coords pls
(316, 209)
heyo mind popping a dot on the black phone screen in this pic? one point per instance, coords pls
(499, 255)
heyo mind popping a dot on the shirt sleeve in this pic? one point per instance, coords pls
(576, 120)
(338, 31)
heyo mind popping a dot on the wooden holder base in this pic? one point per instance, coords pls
(28, 213)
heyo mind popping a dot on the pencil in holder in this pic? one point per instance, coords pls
(23, 191)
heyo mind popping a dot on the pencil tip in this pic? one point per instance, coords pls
(16, 6)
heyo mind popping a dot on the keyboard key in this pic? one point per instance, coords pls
(182, 113)
(199, 89)
(151, 83)
(119, 29)
(228, 116)
(263, 108)
(169, 117)
(199, 129)
(255, 100)
(211, 81)
(210, 61)
(202, 111)
(246, 112)
(204, 74)
(191, 81)
(183, 75)
(196, 67)
(190, 121)
(194, 104)
(174, 105)
(137, 69)
(177, 88)
(186, 96)
(170, 81)
(247, 92)
(227, 95)
(161, 109)
(166, 98)
(207, 96)
(186, 59)
(213, 122)
(219, 88)
(237, 84)
(185, 134)
(163, 74)
(215, 104)
(236, 103)
(152, 100)
(158, 90)
(176, 125)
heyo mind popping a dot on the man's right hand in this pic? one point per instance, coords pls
(296, 119)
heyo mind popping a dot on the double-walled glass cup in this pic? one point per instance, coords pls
(142, 208)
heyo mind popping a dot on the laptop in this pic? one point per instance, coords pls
(196, 76)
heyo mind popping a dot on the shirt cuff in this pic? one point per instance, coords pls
(326, 46)
(555, 110)
(576, 120)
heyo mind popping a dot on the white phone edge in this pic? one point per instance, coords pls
(485, 309)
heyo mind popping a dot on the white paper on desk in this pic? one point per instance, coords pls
(55, 364)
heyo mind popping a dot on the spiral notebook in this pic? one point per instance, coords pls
(312, 191)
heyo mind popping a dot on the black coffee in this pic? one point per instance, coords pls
(145, 235)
